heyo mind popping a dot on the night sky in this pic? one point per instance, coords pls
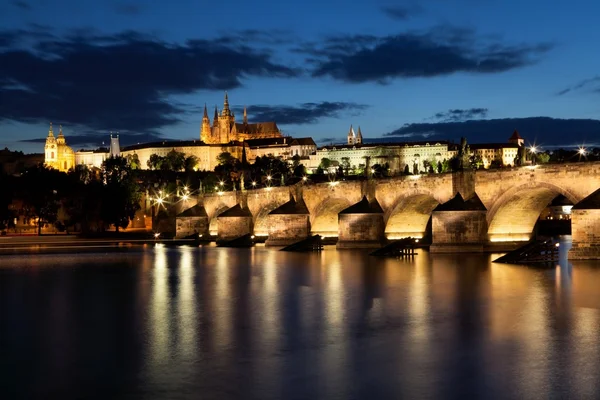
(402, 70)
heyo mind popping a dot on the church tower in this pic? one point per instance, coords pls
(115, 147)
(50, 150)
(358, 139)
(205, 131)
(516, 139)
(60, 140)
(226, 121)
(351, 135)
(245, 116)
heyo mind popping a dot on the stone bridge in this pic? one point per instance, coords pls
(466, 210)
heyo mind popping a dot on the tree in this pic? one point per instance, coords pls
(325, 163)
(406, 170)
(155, 161)
(496, 163)
(81, 173)
(440, 167)
(134, 161)
(542, 158)
(346, 164)
(42, 188)
(122, 195)
(190, 163)
(175, 160)
(475, 161)
(225, 158)
(299, 171)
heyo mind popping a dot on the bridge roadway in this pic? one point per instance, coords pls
(512, 200)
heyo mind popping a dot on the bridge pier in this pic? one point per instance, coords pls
(193, 220)
(289, 223)
(233, 223)
(459, 226)
(585, 228)
(361, 225)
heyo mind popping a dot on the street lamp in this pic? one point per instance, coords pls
(582, 151)
(533, 150)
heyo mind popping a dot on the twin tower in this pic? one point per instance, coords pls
(355, 138)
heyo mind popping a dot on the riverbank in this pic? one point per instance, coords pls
(72, 243)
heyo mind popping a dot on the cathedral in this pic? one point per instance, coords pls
(57, 154)
(224, 129)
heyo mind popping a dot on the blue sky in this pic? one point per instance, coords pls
(403, 70)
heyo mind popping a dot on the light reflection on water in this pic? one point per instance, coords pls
(257, 323)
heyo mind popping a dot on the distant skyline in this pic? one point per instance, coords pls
(403, 70)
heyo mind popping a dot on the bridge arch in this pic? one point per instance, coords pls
(212, 226)
(409, 215)
(513, 215)
(261, 220)
(324, 220)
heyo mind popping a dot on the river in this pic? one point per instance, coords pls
(215, 323)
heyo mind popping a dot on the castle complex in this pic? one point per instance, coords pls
(224, 134)
(224, 129)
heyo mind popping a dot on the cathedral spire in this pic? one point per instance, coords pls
(205, 112)
(60, 130)
(359, 137)
(351, 135)
(216, 117)
(226, 110)
(245, 116)
(50, 132)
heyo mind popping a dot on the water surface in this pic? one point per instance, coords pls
(215, 323)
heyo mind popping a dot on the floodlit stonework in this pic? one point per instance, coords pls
(511, 201)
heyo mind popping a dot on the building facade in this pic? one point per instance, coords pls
(357, 154)
(224, 128)
(57, 154)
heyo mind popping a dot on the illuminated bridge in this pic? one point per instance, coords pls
(464, 211)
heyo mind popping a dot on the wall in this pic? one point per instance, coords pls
(360, 230)
(585, 225)
(233, 227)
(285, 229)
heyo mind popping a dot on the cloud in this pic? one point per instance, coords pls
(302, 114)
(456, 115)
(22, 5)
(128, 8)
(118, 82)
(594, 83)
(545, 131)
(439, 51)
(402, 13)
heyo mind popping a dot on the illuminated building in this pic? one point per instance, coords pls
(224, 129)
(57, 154)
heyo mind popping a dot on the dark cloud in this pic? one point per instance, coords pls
(128, 8)
(120, 81)
(457, 115)
(439, 51)
(328, 140)
(591, 83)
(94, 139)
(544, 131)
(22, 5)
(302, 114)
(402, 13)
